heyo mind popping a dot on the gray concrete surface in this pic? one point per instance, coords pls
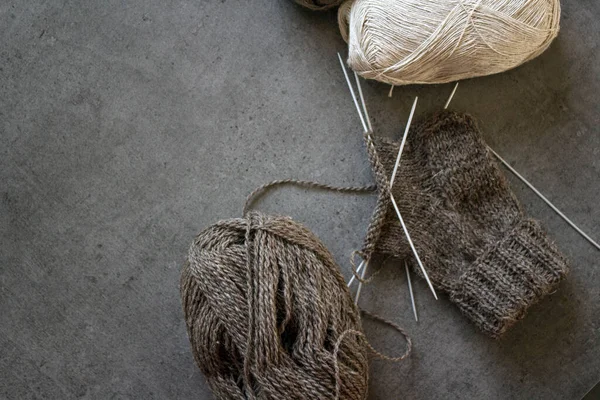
(127, 126)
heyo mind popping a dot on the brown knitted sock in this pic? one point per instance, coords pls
(469, 229)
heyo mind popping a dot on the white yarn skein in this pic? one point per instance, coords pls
(438, 41)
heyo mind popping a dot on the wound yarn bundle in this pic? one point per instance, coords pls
(469, 229)
(319, 5)
(437, 41)
(269, 315)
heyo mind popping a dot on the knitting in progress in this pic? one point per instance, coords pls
(269, 315)
(437, 41)
(468, 227)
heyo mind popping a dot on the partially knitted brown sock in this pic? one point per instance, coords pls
(469, 229)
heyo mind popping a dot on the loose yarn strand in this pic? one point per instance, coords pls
(376, 353)
(398, 328)
(251, 198)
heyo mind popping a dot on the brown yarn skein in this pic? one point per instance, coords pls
(319, 5)
(269, 315)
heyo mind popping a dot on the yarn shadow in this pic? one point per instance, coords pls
(386, 296)
(520, 98)
(537, 346)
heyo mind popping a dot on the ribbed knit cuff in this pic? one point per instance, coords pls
(499, 287)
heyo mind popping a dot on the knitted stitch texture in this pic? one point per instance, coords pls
(469, 229)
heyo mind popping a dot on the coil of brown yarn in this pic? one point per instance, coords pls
(319, 5)
(269, 315)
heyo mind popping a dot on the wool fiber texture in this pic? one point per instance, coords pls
(470, 231)
(269, 315)
(404, 42)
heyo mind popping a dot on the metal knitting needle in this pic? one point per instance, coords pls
(363, 263)
(451, 96)
(410, 289)
(541, 196)
(395, 167)
(410, 242)
(362, 120)
(363, 103)
(360, 267)
(412, 112)
(359, 290)
(392, 180)
(362, 100)
(410, 117)
(533, 188)
(367, 131)
(412, 246)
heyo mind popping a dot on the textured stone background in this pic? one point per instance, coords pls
(127, 126)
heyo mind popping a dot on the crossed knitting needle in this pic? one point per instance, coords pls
(533, 188)
(366, 123)
(410, 242)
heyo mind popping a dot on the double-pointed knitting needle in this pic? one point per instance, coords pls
(406, 233)
(362, 276)
(360, 267)
(401, 149)
(368, 132)
(412, 296)
(362, 120)
(451, 95)
(541, 196)
(365, 264)
(533, 188)
(393, 178)
(362, 101)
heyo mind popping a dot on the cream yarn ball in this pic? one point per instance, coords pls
(437, 41)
